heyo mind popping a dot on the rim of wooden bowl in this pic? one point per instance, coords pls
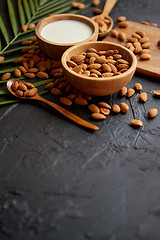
(132, 67)
(66, 16)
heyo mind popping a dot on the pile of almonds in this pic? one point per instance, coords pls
(33, 63)
(23, 89)
(99, 64)
(103, 23)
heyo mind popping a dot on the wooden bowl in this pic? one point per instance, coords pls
(98, 86)
(55, 50)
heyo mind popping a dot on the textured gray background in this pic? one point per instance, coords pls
(59, 181)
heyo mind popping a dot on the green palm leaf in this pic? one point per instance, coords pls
(27, 9)
(4, 30)
(21, 13)
(12, 17)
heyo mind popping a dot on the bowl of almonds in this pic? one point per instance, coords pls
(98, 68)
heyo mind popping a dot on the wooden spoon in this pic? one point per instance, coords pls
(106, 10)
(60, 109)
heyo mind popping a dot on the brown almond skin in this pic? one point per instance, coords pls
(33, 70)
(29, 85)
(114, 33)
(105, 111)
(24, 28)
(122, 36)
(124, 107)
(22, 69)
(95, 2)
(19, 93)
(143, 97)
(31, 25)
(22, 87)
(121, 19)
(152, 112)
(130, 92)
(93, 108)
(17, 72)
(136, 122)
(49, 85)
(56, 91)
(157, 92)
(122, 24)
(104, 105)
(145, 56)
(72, 96)
(81, 101)
(1, 58)
(31, 92)
(97, 11)
(65, 101)
(116, 108)
(138, 86)
(15, 85)
(26, 42)
(98, 116)
(30, 75)
(42, 75)
(5, 76)
(75, 4)
(146, 45)
(123, 91)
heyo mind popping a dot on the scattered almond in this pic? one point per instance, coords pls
(95, 2)
(31, 25)
(122, 24)
(97, 11)
(136, 122)
(116, 108)
(56, 91)
(93, 108)
(1, 58)
(143, 97)
(104, 105)
(152, 112)
(17, 72)
(130, 92)
(30, 75)
(157, 92)
(124, 107)
(42, 75)
(145, 56)
(105, 111)
(98, 116)
(138, 86)
(65, 101)
(123, 91)
(81, 101)
(24, 28)
(5, 76)
(49, 85)
(121, 19)
(114, 33)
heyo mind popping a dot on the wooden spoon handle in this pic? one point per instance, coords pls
(68, 114)
(108, 7)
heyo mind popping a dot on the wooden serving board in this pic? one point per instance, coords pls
(149, 67)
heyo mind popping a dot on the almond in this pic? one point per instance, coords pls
(15, 86)
(114, 33)
(98, 116)
(124, 107)
(152, 112)
(1, 58)
(157, 92)
(81, 101)
(130, 92)
(105, 111)
(49, 85)
(24, 28)
(97, 11)
(19, 93)
(22, 87)
(93, 108)
(71, 64)
(106, 68)
(31, 25)
(26, 42)
(29, 85)
(123, 91)
(42, 75)
(25, 64)
(33, 70)
(17, 72)
(146, 45)
(138, 86)
(95, 2)
(56, 91)
(94, 66)
(145, 56)
(5, 76)
(75, 4)
(136, 122)
(29, 75)
(72, 96)
(135, 35)
(143, 97)
(122, 36)
(87, 97)
(77, 58)
(31, 63)
(65, 101)
(104, 105)
(144, 22)
(122, 24)
(116, 108)
(81, 6)
(31, 92)
(153, 24)
(121, 19)
(22, 69)
(141, 33)
(144, 40)
(132, 39)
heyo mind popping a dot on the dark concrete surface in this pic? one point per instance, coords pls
(59, 181)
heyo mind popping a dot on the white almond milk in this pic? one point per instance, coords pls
(66, 31)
